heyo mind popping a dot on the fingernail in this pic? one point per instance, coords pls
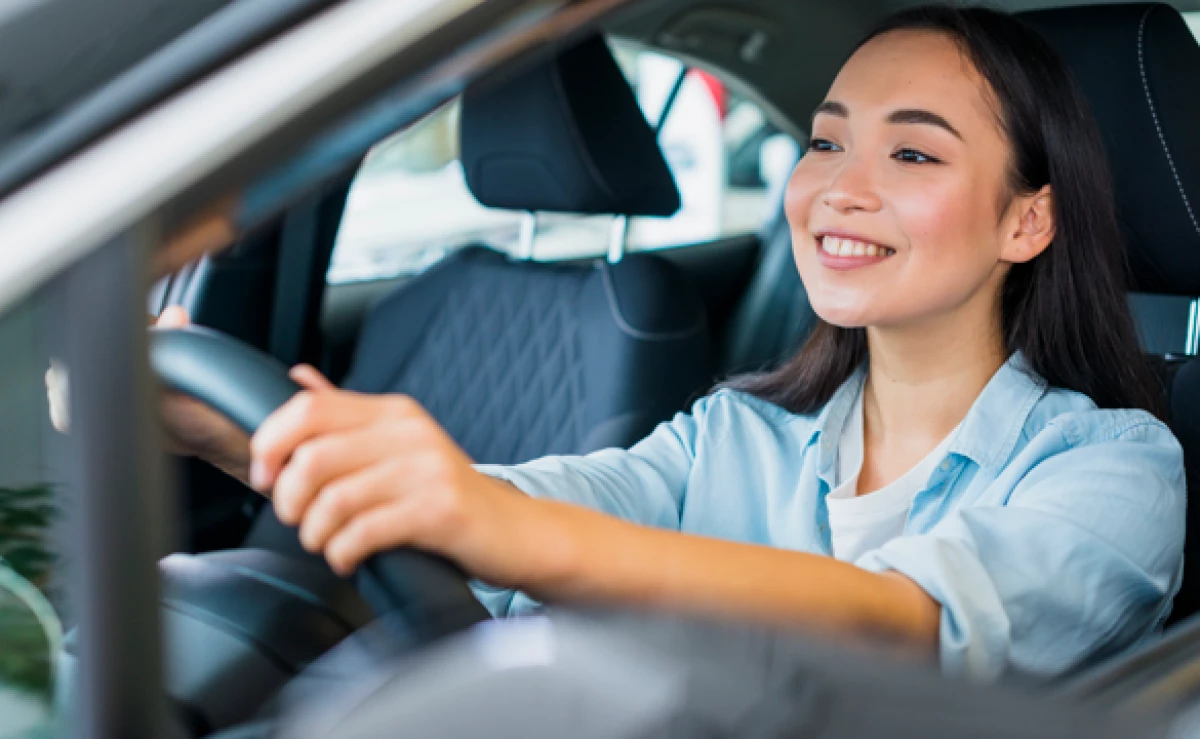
(258, 475)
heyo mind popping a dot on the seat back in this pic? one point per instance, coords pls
(518, 359)
(773, 317)
(1137, 65)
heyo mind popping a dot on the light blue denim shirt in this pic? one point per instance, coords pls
(1051, 533)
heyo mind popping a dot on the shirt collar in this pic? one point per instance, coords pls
(994, 424)
(827, 429)
(987, 436)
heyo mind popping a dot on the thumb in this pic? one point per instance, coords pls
(173, 316)
(310, 378)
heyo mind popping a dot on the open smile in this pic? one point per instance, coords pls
(842, 251)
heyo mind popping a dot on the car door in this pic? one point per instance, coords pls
(160, 178)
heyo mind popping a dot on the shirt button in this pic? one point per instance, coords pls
(945, 465)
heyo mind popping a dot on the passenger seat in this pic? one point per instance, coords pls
(519, 359)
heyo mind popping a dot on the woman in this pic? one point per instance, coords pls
(961, 459)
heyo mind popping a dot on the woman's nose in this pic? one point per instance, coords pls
(852, 188)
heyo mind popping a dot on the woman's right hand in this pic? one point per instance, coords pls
(192, 428)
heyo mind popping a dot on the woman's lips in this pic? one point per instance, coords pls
(843, 253)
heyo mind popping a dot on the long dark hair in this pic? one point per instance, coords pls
(1066, 309)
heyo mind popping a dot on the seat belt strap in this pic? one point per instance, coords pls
(298, 246)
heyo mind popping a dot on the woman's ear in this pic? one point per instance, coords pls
(1029, 229)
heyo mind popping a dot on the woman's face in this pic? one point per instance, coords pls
(895, 208)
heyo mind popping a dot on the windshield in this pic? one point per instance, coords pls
(35, 509)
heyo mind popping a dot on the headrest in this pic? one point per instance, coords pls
(1137, 65)
(565, 136)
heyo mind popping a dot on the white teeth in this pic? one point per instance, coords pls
(840, 247)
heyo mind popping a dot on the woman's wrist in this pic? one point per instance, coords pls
(544, 542)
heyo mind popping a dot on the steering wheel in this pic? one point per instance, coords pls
(247, 385)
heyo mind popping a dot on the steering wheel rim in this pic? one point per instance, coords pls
(246, 385)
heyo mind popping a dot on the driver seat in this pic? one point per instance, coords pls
(1136, 64)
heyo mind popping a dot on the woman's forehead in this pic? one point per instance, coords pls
(914, 69)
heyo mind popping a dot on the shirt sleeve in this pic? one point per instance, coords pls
(644, 484)
(1082, 560)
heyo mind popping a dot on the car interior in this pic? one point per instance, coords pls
(520, 358)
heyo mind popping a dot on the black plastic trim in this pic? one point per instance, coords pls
(227, 33)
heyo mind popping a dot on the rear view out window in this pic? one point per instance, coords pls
(410, 205)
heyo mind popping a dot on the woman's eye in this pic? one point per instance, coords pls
(912, 156)
(822, 145)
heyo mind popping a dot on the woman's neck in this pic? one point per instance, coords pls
(922, 379)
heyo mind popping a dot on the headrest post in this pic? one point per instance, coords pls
(526, 235)
(1192, 344)
(616, 238)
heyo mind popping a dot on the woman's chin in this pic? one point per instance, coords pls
(845, 316)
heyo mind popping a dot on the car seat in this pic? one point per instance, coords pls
(519, 359)
(1137, 64)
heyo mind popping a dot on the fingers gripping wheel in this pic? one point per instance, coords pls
(247, 385)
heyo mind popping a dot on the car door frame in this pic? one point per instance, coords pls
(386, 64)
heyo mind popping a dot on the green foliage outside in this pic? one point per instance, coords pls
(26, 560)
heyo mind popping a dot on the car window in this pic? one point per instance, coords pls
(409, 204)
(35, 505)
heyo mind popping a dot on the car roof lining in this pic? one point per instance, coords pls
(53, 117)
(749, 42)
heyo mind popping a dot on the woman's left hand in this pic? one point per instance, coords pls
(361, 474)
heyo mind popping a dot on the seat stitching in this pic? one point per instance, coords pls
(1154, 115)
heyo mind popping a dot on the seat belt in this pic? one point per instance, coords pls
(305, 245)
(306, 241)
(298, 245)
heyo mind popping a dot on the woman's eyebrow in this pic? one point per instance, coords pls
(832, 107)
(922, 117)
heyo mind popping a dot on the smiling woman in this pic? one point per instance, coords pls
(947, 464)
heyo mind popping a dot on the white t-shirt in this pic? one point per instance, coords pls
(860, 523)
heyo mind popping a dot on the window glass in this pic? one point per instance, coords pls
(1193, 21)
(34, 506)
(410, 205)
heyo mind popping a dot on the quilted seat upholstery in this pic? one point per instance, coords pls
(518, 360)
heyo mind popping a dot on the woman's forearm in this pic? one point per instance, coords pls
(598, 558)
